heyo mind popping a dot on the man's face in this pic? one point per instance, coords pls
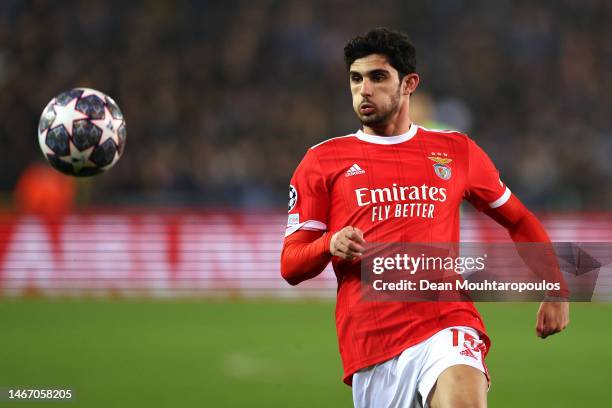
(376, 89)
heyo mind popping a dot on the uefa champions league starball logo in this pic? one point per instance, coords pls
(292, 197)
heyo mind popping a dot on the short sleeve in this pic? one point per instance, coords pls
(484, 187)
(308, 197)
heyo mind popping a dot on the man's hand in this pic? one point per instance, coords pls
(347, 243)
(553, 317)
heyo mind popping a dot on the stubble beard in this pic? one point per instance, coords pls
(381, 117)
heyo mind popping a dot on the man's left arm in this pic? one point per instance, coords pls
(486, 191)
(523, 226)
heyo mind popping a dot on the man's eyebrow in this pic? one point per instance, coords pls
(378, 71)
(372, 72)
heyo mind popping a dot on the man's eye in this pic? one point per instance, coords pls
(355, 78)
(378, 78)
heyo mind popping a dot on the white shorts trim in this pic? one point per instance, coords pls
(405, 381)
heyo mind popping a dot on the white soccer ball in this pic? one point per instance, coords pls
(82, 132)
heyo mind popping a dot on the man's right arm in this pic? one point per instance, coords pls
(306, 253)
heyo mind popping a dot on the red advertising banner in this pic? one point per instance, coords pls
(189, 253)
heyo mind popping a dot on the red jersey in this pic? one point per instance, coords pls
(405, 188)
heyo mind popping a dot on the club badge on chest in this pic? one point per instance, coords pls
(440, 166)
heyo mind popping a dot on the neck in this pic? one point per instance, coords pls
(398, 125)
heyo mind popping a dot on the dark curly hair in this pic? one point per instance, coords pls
(396, 46)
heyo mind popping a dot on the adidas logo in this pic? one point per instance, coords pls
(354, 170)
(468, 353)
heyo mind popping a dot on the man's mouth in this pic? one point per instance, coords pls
(366, 108)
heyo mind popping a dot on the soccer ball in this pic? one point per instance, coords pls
(82, 132)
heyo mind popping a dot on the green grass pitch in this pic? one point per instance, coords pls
(266, 354)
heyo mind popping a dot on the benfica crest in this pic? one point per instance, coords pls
(440, 167)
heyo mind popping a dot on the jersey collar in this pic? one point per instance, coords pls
(388, 140)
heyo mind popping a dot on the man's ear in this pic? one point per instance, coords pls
(410, 82)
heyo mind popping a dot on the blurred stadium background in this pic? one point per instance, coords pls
(157, 284)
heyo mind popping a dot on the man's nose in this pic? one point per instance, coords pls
(366, 88)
